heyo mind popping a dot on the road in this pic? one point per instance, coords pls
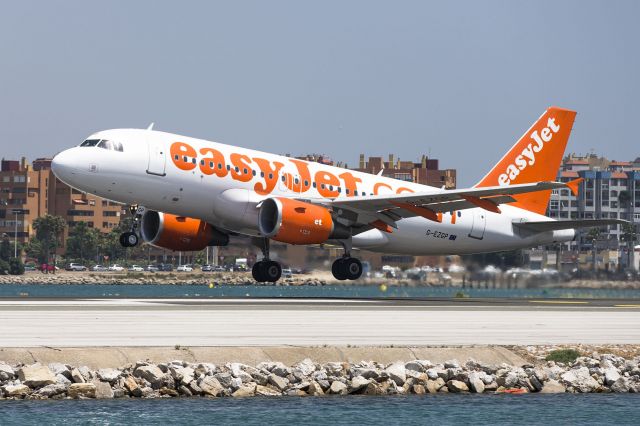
(307, 322)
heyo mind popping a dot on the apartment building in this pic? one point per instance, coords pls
(28, 191)
(426, 171)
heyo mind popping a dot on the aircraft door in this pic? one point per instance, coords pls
(479, 224)
(157, 157)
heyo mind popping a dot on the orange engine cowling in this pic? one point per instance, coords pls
(296, 222)
(179, 233)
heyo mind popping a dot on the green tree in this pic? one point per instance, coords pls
(6, 252)
(48, 231)
(4, 267)
(15, 266)
(629, 234)
(592, 236)
(82, 242)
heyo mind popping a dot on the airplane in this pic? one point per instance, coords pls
(193, 193)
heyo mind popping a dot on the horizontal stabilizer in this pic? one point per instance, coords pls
(556, 225)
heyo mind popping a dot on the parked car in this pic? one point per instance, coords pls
(75, 267)
(218, 268)
(207, 268)
(116, 268)
(184, 268)
(286, 273)
(152, 268)
(165, 267)
(136, 268)
(30, 268)
(99, 268)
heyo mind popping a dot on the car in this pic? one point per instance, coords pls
(165, 267)
(30, 268)
(286, 273)
(136, 268)
(152, 268)
(218, 268)
(184, 268)
(75, 267)
(116, 268)
(207, 268)
(99, 268)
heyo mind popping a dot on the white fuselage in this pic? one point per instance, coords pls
(223, 184)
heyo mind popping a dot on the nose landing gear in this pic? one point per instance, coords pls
(266, 270)
(346, 267)
(131, 238)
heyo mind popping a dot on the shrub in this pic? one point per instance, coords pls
(565, 356)
(4, 267)
(15, 266)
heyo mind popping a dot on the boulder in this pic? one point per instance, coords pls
(315, 389)
(51, 390)
(397, 373)
(86, 373)
(58, 368)
(553, 386)
(621, 385)
(338, 388)
(358, 383)
(76, 376)
(374, 388)
(224, 379)
(62, 379)
(103, 390)
(16, 390)
(580, 380)
(245, 390)
(183, 390)
(165, 391)
(367, 373)
(611, 375)
(475, 383)
(267, 391)
(85, 390)
(418, 389)
(433, 386)
(182, 374)
(150, 373)
(335, 369)
(456, 386)
(109, 374)
(414, 366)
(132, 386)
(6, 372)
(36, 375)
(306, 367)
(211, 386)
(452, 364)
(279, 382)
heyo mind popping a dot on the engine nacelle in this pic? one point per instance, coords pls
(179, 233)
(296, 222)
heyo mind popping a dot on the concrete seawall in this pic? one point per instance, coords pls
(111, 357)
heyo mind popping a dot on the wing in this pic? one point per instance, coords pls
(382, 211)
(556, 225)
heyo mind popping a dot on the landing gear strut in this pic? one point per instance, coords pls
(266, 270)
(346, 267)
(131, 239)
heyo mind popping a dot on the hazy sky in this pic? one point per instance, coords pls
(460, 81)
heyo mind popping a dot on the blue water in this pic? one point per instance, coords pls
(337, 291)
(592, 409)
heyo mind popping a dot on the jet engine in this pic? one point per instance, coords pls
(179, 233)
(296, 222)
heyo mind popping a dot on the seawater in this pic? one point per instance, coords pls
(590, 409)
(330, 291)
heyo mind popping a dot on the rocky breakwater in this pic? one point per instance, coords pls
(606, 373)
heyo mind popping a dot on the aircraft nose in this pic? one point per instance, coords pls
(63, 164)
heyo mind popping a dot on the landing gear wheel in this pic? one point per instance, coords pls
(338, 269)
(258, 271)
(272, 271)
(128, 239)
(346, 268)
(352, 267)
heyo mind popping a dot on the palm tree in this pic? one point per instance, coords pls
(593, 235)
(48, 229)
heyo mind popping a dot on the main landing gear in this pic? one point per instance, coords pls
(266, 270)
(131, 239)
(346, 267)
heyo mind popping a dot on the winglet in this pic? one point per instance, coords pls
(574, 185)
(150, 126)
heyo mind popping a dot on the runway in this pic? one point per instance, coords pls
(315, 322)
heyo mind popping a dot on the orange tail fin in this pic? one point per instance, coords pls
(535, 157)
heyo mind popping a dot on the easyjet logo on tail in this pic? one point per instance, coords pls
(528, 155)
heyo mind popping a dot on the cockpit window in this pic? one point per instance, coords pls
(104, 144)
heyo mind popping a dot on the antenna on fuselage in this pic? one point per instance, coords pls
(150, 126)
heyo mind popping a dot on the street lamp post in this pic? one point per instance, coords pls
(15, 232)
